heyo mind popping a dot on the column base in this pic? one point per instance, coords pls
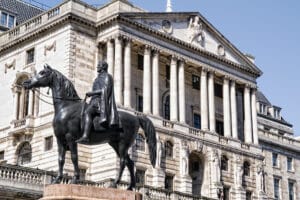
(158, 178)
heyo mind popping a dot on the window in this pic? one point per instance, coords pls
(140, 62)
(167, 108)
(196, 82)
(30, 56)
(140, 142)
(224, 163)
(24, 153)
(195, 166)
(11, 21)
(226, 193)
(248, 195)
(262, 108)
(22, 99)
(4, 19)
(82, 174)
(197, 121)
(289, 161)
(276, 188)
(140, 177)
(291, 191)
(218, 90)
(48, 143)
(219, 127)
(1, 155)
(169, 182)
(169, 149)
(167, 76)
(140, 103)
(275, 159)
(246, 168)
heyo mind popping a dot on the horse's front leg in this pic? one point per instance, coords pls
(74, 157)
(61, 162)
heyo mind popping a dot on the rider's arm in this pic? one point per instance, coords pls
(93, 93)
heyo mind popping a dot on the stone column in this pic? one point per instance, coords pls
(147, 81)
(233, 110)
(30, 103)
(21, 104)
(127, 75)
(247, 113)
(155, 83)
(173, 90)
(16, 105)
(226, 108)
(110, 57)
(254, 116)
(118, 73)
(203, 100)
(211, 102)
(181, 92)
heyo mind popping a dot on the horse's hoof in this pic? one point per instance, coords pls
(57, 180)
(75, 180)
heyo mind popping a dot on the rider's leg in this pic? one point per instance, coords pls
(88, 122)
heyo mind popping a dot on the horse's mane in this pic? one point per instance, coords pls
(66, 85)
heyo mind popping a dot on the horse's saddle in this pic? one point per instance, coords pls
(100, 128)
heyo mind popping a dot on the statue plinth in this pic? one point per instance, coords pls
(80, 192)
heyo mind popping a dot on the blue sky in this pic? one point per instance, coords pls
(268, 29)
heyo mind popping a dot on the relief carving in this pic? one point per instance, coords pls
(196, 32)
(10, 65)
(167, 27)
(49, 48)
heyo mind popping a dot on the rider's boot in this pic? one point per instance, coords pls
(83, 139)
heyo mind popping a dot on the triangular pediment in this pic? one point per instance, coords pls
(195, 30)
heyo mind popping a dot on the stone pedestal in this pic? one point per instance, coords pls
(159, 178)
(79, 192)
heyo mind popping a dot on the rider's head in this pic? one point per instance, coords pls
(102, 66)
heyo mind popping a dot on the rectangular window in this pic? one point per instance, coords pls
(218, 90)
(248, 195)
(167, 76)
(276, 188)
(140, 62)
(169, 182)
(30, 56)
(291, 191)
(48, 143)
(11, 21)
(3, 19)
(220, 127)
(197, 121)
(226, 193)
(1, 155)
(140, 177)
(196, 82)
(289, 161)
(140, 103)
(275, 159)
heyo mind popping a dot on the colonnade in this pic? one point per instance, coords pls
(119, 46)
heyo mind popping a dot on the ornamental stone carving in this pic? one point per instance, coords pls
(10, 65)
(49, 48)
(196, 32)
(216, 166)
(261, 177)
(167, 26)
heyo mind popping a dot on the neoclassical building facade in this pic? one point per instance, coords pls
(218, 136)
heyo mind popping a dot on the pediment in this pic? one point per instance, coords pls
(194, 29)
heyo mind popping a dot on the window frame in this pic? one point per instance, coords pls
(247, 169)
(31, 61)
(21, 155)
(276, 185)
(224, 158)
(141, 172)
(169, 149)
(140, 144)
(48, 144)
(275, 163)
(290, 167)
(195, 82)
(171, 178)
(195, 115)
(140, 61)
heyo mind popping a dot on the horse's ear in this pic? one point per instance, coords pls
(46, 66)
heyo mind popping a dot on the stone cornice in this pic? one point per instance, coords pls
(275, 120)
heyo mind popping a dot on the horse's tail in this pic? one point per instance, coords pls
(150, 134)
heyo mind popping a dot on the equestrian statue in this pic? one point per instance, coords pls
(96, 122)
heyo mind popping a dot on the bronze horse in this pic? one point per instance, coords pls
(68, 128)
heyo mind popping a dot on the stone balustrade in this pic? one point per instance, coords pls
(277, 138)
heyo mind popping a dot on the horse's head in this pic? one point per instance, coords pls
(41, 79)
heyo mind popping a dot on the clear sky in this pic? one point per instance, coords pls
(267, 29)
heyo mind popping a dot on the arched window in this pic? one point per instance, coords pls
(140, 142)
(24, 153)
(167, 107)
(224, 163)
(169, 149)
(22, 98)
(246, 168)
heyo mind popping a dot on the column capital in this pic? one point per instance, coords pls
(174, 58)
(226, 77)
(204, 70)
